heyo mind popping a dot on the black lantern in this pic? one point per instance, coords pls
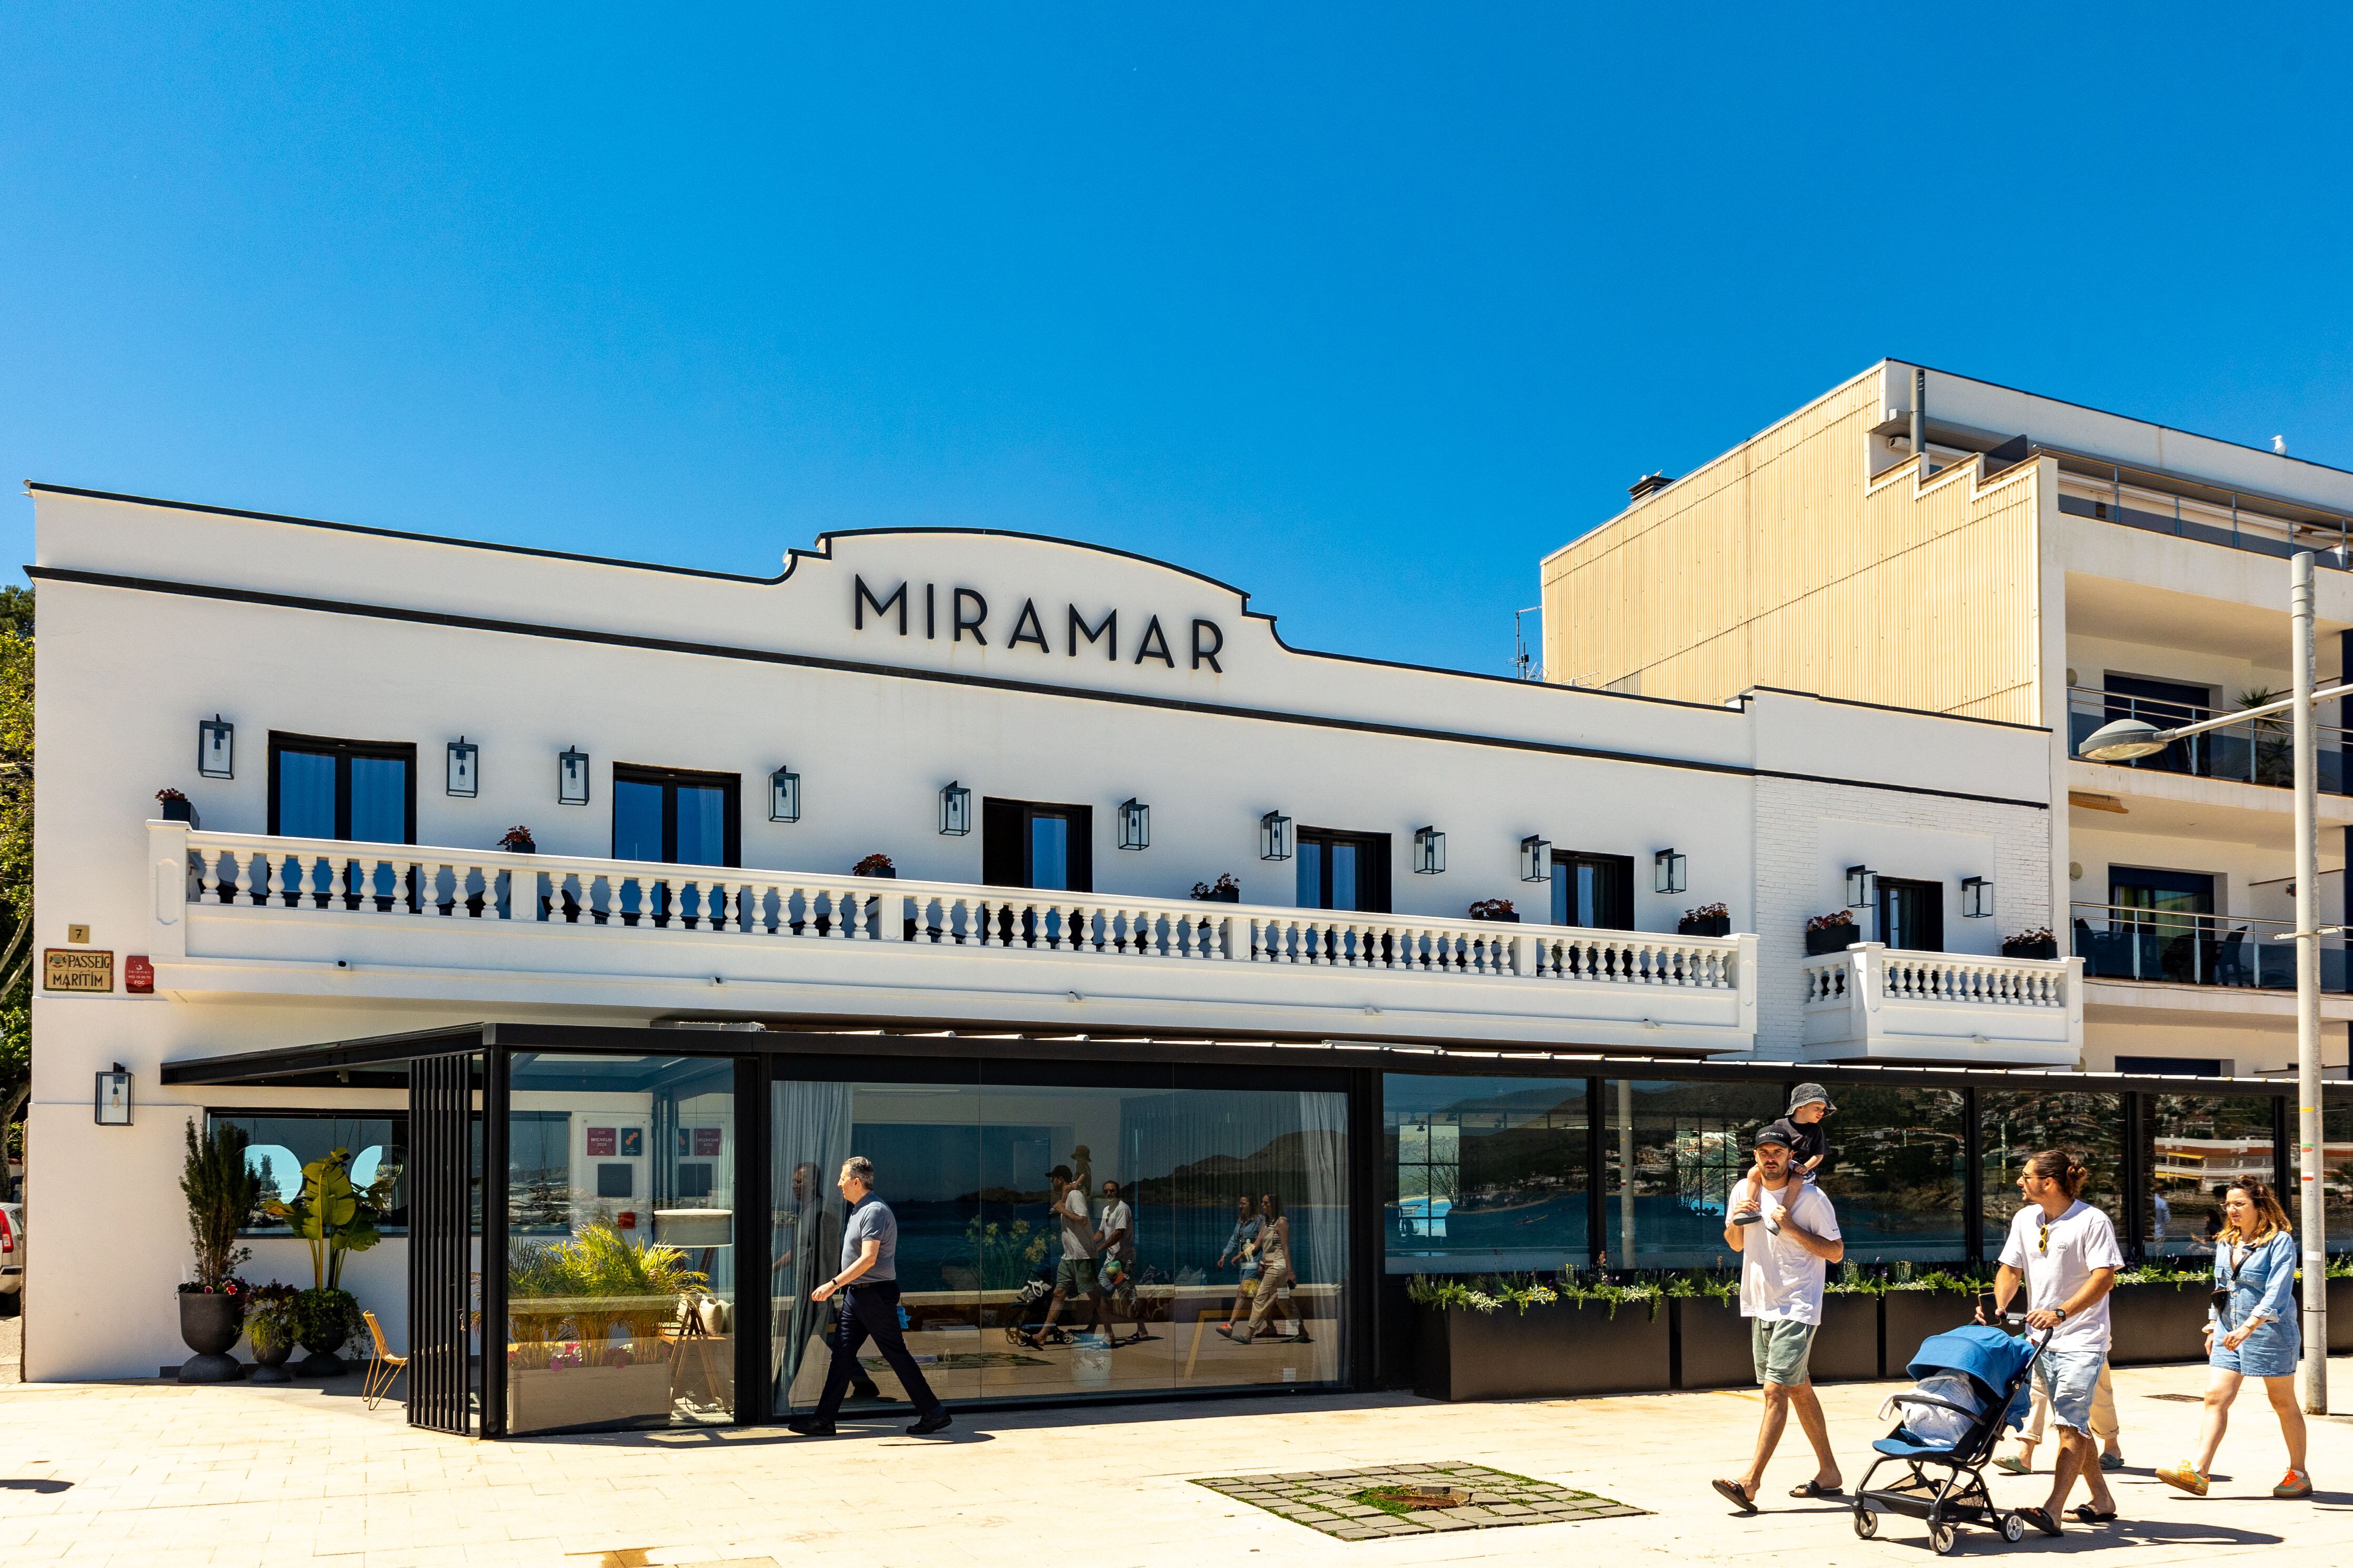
(1977, 897)
(1275, 840)
(1134, 825)
(465, 763)
(216, 748)
(1536, 859)
(572, 777)
(955, 810)
(111, 1107)
(1861, 887)
(1428, 852)
(784, 795)
(1669, 872)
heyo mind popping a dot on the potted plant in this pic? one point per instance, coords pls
(336, 1219)
(273, 1326)
(517, 840)
(2036, 943)
(1495, 909)
(220, 1191)
(173, 807)
(875, 865)
(1561, 1337)
(1708, 919)
(565, 1299)
(1832, 932)
(1225, 890)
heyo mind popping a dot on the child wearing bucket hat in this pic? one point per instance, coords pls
(1802, 1128)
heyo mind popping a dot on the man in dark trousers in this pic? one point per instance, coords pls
(867, 1285)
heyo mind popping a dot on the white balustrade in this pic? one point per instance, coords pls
(1876, 1002)
(1941, 977)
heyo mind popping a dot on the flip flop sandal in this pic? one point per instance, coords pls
(1732, 1494)
(1816, 1489)
(2040, 1518)
(2011, 1465)
(2091, 1515)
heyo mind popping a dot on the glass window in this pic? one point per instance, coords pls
(279, 1143)
(2014, 1124)
(2336, 1166)
(306, 795)
(1342, 870)
(970, 1171)
(357, 790)
(2193, 1146)
(674, 817)
(1595, 891)
(637, 821)
(1487, 1176)
(1037, 843)
(620, 1198)
(1684, 1144)
(1911, 914)
(1898, 1171)
(1049, 851)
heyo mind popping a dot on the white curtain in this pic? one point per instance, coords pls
(812, 1140)
(1321, 1256)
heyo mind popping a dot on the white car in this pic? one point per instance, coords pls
(12, 1256)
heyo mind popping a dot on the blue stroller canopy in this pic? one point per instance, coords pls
(1987, 1356)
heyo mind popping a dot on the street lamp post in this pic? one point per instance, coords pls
(2128, 738)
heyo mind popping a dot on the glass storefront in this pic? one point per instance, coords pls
(1898, 1173)
(967, 1162)
(2336, 1168)
(2014, 1124)
(1671, 1151)
(2192, 1147)
(620, 1211)
(1485, 1175)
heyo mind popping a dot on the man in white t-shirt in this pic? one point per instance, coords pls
(1783, 1269)
(2064, 1251)
(1074, 1275)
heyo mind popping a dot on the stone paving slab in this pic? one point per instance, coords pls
(1335, 1501)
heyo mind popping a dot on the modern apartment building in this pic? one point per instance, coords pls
(1926, 540)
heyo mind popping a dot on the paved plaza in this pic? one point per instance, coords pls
(156, 1476)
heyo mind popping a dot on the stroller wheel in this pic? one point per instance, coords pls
(1943, 1536)
(1866, 1523)
(2013, 1528)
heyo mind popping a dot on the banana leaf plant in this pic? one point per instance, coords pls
(334, 1215)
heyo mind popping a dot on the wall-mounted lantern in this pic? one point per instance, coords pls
(784, 795)
(112, 1108)
(1536, 859)
(465, 768)
(1134, 825)
(572, 777)
(1669, 872)
(1428, 852)
(1977, 897)
(1275, 839)
(216, 748)
(1861, 887)
(955, 810)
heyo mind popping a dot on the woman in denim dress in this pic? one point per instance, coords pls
(2252, 1332)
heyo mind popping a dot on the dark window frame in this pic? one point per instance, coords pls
(397, 1222)
(1373, 856)
(1007, 842)
(343, 752)
(669, 781)
(1933, 897)
(1619, 868)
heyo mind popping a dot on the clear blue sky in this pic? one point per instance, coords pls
(1360, 309)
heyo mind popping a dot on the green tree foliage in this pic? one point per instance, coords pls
(15, 860)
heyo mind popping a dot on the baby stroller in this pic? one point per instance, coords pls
(1969, 1388)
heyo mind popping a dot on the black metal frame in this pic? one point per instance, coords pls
(440, 1241)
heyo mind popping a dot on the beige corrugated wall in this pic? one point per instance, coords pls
(1777, 564)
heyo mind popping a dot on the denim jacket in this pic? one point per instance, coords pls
(2264, 1282)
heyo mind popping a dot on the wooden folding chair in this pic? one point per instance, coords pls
(383, 1369)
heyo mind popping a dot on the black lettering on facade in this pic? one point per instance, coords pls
(1154, 645)
(971, 622)
(865, 600)
(1209, 654)
(1107, 634)
(1027, 628)
(931, 633)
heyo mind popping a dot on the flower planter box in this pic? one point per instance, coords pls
(1221, 896)
(1838, 939)
(179, 810)
(1911, 1315)
(2155, 1323)
(1714, 925)
(1544, 1353)
(1718, 1350)
(549, 1398)
(2031, 949)
(1512, 918)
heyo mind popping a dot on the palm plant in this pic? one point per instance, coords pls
(2270, 738)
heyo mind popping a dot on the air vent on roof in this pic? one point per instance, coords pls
(1646, 485)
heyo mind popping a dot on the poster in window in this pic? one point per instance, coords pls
(633, 1142)
(600, 1141)
(706, 1141)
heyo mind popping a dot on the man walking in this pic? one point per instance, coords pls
(1075, 1274)
(1784, 1266)
(868, 1284)
(2066, 1253)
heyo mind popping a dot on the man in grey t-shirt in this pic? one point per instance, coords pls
(868, 1284)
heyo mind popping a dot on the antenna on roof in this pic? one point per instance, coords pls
(1525, 666)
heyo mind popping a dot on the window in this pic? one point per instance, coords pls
(676, 817)
(2164, 703)
(1593, 890)
(1343, 870)
(2193, 1146)
(1671, 1153)
(1898, 1171)
(2161, 921)
(1911, 914)
(279, 1143)
(1035, 844)
(360, 790)
(1491, 1175)
(2015, 1123)
(2158, 1067)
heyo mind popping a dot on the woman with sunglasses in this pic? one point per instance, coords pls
(2251, 1331)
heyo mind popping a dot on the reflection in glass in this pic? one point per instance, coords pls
(278, 1147)
(2193, 1146)
(306, 795)
(620, 1269)
(637, 820)
(701, 825)
(2336, 1166)
(2014, 1124)
(968, 1171)
(1686, 1144)
(1487, 1176)
(1898, 1172)
(380, 799)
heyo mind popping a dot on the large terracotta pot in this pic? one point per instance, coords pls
(211, 1324)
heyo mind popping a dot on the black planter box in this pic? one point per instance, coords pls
(2048, 949)
(1911, 1315)
(1838, 939)
(2150, 1324)
(1718, 1348)
(1544, 1353)
(179, 810)
(1221, 896)
(1714, 925)
(1512, 918)
(2341, 1317)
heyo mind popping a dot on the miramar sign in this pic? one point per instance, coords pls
(959, 614)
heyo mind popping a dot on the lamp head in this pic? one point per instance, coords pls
(2122, 741)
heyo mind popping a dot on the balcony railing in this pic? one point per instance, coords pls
(2119, 941)
(2219, 518)
(1876, 1001)
(630, 918)
(2257, 751)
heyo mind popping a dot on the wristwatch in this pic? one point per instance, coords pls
(2062, 1311)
